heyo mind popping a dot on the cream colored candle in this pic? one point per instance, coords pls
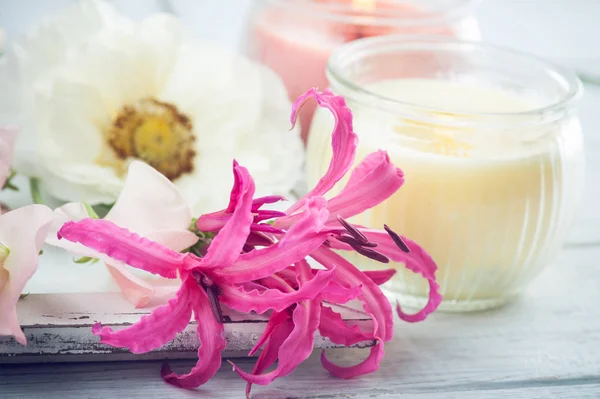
(491, 205)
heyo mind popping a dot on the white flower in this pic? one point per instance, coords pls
(95, 90)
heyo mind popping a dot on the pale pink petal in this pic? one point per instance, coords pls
(417, 261)
(74, 211)
(7, 145)
(23, 232)
(296, 348)
(369, 365)
(380, 276)
(259, 302)
(212, 343)
(230, 240)
(374, 302)
(300, 240)
(333, 327)
(149, 202)
(136, 290)
(122, 245)
(157, 328)
(343, 141)
(374, 180)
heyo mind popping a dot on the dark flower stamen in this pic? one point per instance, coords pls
(353, 241)
(212, 291)
(397, 239)
(369, 253)
(353, 231)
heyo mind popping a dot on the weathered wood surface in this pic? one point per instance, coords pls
(58, 329)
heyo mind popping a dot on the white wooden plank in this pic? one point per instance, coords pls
(58, 328)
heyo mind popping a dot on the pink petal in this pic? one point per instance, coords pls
(340, 293)
(212, 343)
(149, 202)
(228, 243)
(7, 145)
(299, 241)
(157, 328)
(296, 348)
(236, 190)
(374, 180)
(380, 276)
(268, 356)
(23, 232)
(417, 261)
(333, 327)
(343, 141)
(374, 302)
(122, 245)
(260, 302)
(212, 222)
(369, 365)
(275, 320)
(269, 199)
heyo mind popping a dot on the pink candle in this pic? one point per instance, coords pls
(296, 37)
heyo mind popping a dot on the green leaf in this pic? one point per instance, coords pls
(103, 209)
(85, 259)
(34, 186)
(9, 184)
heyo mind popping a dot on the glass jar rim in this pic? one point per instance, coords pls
(444, 12)
(563, 76)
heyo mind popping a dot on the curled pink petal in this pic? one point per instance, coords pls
(299, 241)
(369, 365)
(22, 231)
(417, 261)
(259, 302)
(374, 180)
(380, 276)
(230, 240)
(122, 245)
(340, 293)
(275, 320)
(296, 348)
(333, 327)
(344, 141)
(269, 199)
(157, 328)
(212, 222)
(374, 302)
(212, 343)
(235, 190)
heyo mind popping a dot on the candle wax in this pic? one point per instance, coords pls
(297, 45)
(487, 208)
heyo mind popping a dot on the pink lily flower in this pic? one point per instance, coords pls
(22, 234)
(207, 281)
(258, 262)
(7, 145)
(151, 206)
(374, 180)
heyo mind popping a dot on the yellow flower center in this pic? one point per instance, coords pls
(157, 133)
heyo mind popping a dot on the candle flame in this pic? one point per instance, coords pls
(364, 5)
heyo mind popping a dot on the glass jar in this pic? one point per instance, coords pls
(296, 37)
(491, 147)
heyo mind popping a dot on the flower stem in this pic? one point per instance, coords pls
(34, 186)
